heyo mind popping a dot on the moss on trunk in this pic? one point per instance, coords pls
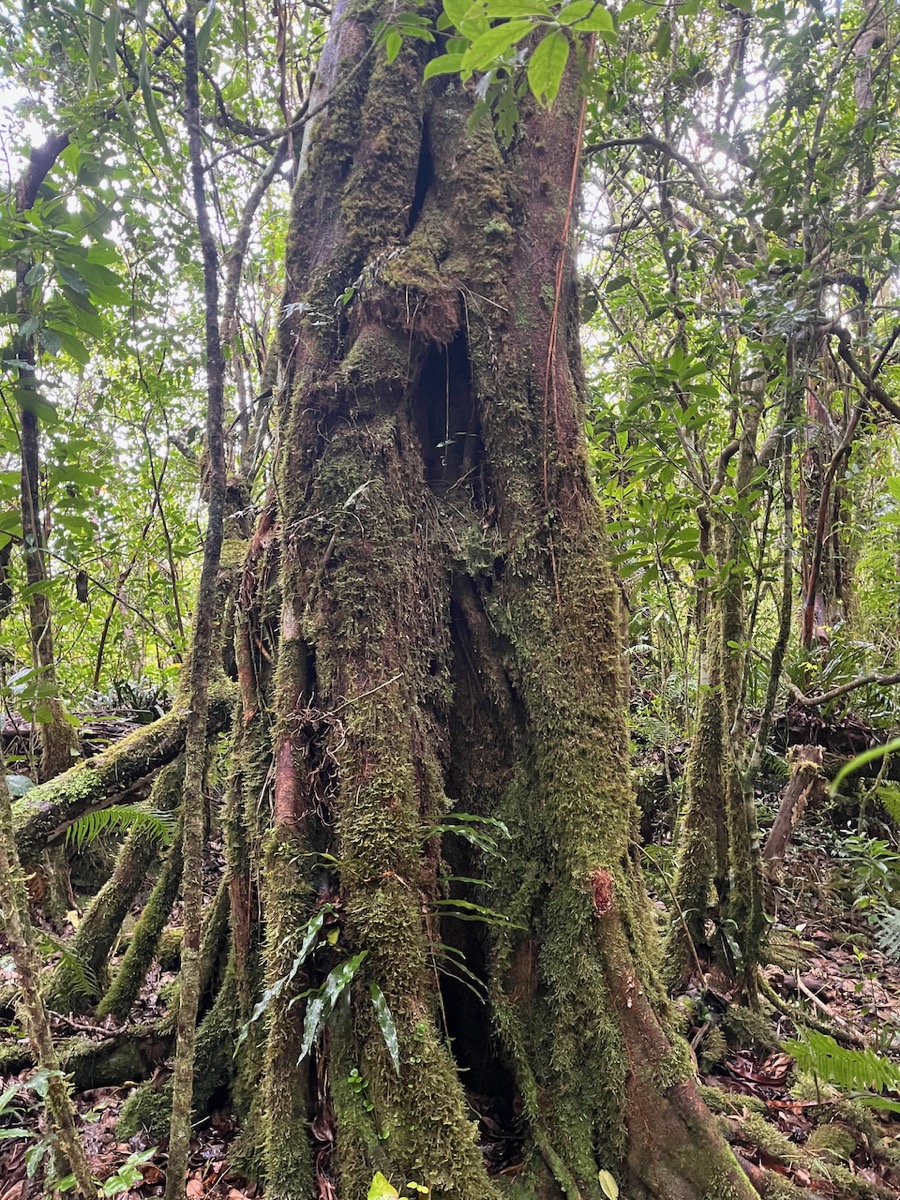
(433, 582)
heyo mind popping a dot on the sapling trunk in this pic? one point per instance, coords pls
(14, 903)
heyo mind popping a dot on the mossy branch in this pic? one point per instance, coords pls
(47, 811)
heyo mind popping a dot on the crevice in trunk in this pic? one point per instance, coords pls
(424, 176)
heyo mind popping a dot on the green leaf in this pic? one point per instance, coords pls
(386, 1022)
(73, 279)
(456, 10)
(546, 66)
(608, 1185)
(634, 8)
(35, 274)
(320, 1006)
(516, 8)
(18, 785)
(95, 38)
(381, 1189)
(587, 16)
(392, 44)
(662, 43)
(150, 106)
(205, 32)
(862, 760)
(110, 33)
(773, 220)
(33, 402)
(494, 43)
(73, 346)
(444, 64)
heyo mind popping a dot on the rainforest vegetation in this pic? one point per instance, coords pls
(450, 599)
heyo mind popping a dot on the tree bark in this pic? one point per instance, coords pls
(447, 633)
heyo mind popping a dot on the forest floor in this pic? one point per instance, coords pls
(784, 1124)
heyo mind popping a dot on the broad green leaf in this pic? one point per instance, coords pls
(392, 44)
(73, 279)
(72, 344)
(516, 8)
(546, 66)
(444, 64)
(608, 1185)
(456, 10)
(381, 1189)
(386, 1022)
(587, 16)
(495, 42)
(634, 8)
(33, 402)
(18, 785)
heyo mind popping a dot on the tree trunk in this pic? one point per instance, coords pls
(447, 643)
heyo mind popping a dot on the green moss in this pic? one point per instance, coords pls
(234, 553)
(168, 951)
(713, 1049)
(772, 1141)
(675, 1068)
(700, 838)
(833, 1142)
(748, 1028)
(724, 1103)
(146, 1109)
(286, 1100)
(144, 939)
(806, 1087)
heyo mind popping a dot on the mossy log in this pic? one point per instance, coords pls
(45, 812)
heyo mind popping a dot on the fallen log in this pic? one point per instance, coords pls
(43, 814)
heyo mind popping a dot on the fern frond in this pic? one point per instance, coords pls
(88, 827)
(75, 976)
(853, 1070)
(887, 930)
(889, 797)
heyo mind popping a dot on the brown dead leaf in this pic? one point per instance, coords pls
(194, 1189)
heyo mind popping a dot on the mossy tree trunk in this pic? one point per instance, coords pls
(718, 839)
(432, 582)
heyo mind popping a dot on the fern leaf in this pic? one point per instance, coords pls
(117, 817)
(887, 930)
(852, 1070)
(76, 977)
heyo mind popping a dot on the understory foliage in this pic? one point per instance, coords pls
(556, 346)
